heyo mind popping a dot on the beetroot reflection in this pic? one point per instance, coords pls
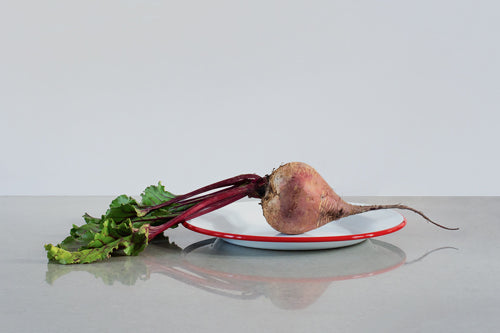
(289, 279)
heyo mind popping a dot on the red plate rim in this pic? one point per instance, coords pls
(299, 239)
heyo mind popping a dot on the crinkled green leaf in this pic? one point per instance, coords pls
(80, 236)
(102, 247)
(123, 227)
(125, 271)
(154, 195)
(122, 208)
(89, 219)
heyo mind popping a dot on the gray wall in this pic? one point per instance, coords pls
(382, 97)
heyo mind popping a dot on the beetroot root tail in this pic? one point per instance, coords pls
(399, 206)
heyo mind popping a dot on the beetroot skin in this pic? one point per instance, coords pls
(297, 199)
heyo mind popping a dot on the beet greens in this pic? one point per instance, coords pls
(128, 225)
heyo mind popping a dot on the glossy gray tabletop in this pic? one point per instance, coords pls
(418, 279)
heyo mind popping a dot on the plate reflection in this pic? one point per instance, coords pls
(289, 279)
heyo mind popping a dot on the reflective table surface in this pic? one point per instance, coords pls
(418, 279)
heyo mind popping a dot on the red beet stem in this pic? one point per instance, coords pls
(200, 198)
(217, 205)
(361, 209)
(210, 203)
(223, 183)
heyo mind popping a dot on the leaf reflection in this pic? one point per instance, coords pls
(289, 279)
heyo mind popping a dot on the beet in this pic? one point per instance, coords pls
(297, 199)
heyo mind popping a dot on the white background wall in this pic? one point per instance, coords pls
(381, 97)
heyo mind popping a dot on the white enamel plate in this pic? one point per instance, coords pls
(242, 223)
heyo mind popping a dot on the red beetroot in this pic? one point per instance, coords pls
(298, 199)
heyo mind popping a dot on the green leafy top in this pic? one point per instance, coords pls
(128, 225)
(123, 229)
